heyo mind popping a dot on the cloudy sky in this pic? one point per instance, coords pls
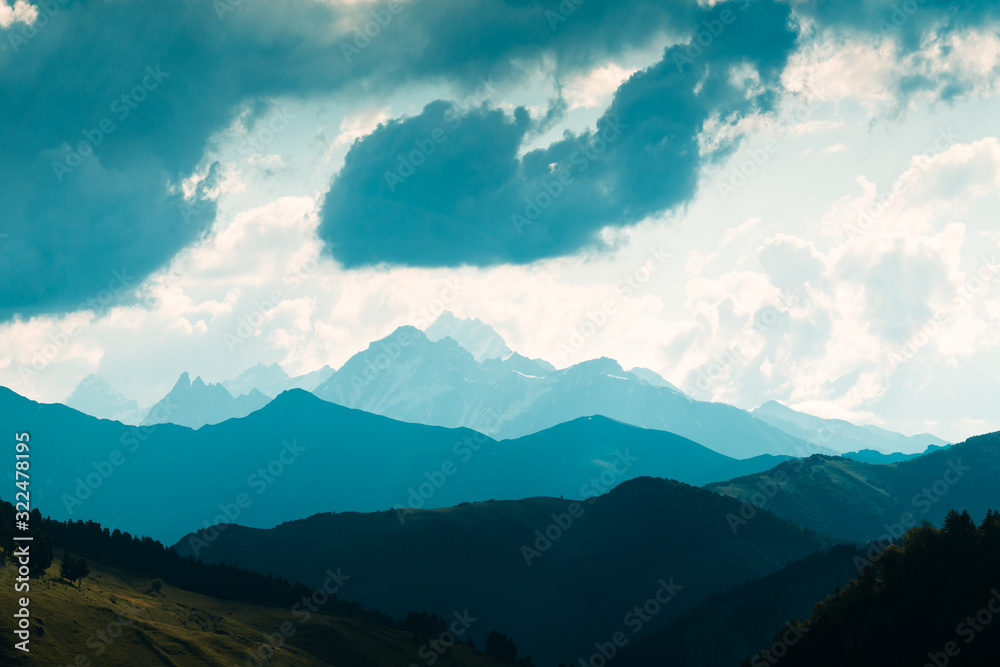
(759, 200)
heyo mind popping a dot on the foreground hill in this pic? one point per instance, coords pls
(731, 625)
(556, 574)
(935, 601)
(861, 501)
(115, 619)
(141, 604)
(300, 455)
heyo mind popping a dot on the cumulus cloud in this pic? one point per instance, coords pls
(860, 319)
(898, 56)
(20, 12)
(447, 188)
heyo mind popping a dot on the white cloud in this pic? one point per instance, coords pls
(20, 12)
(835, 322)
(869, 70)
(595, 88)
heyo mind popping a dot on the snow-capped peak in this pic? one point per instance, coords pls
(480, 339)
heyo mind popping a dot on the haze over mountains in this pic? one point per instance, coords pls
(461, 373)
(843, 436)
(271, 380)
(409, 377)
(95, 397)
(480, 339)
(194, 404)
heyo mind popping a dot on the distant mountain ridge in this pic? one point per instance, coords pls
(95, 397)
(461, 373)
(195, 404)
(479, 338)
(843, 436)
(409, 377)
(871, 456)
(300, 455)
(861, 501)
(271, 380)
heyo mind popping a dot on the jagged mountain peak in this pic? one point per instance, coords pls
(95, 396)
(479, 338)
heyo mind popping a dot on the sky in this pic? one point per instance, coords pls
(759, 200)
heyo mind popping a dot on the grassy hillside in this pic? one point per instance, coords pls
(856, 500)
(115, 619)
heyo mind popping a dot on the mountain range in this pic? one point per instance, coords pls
(461, 373)
(195, 404)
(95, 397)
(843, 436)
(300, 455)
(409, 377)
(861, 501)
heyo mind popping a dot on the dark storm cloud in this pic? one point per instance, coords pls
(447, 188)
(105, 107)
